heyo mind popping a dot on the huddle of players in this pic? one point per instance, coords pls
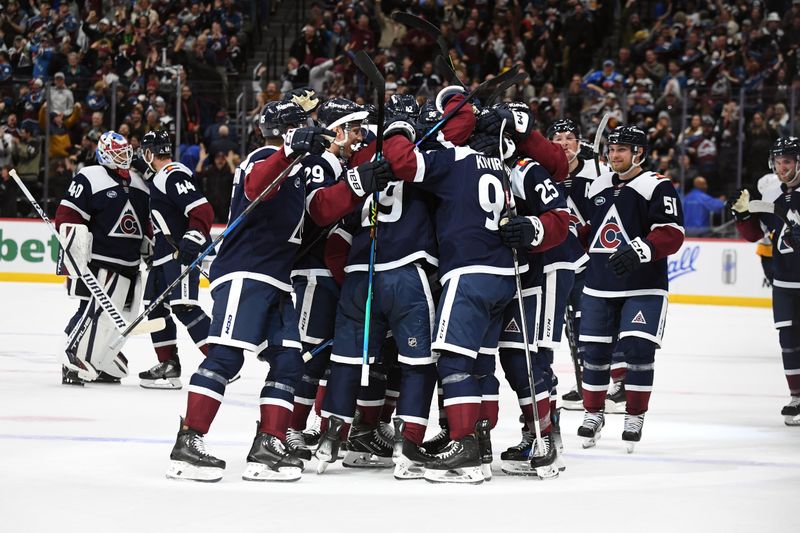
(444, 293)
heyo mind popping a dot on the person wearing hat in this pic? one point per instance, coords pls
(61, 98)
(27, 153)
(604, 80)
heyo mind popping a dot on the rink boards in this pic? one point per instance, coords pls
(704, 271)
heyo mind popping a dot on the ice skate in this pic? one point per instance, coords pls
(312, 433)
(165, 375)
(515, 461)
(369, 447)
(70, 377)
(82, 370)
(190, 461)
(269, 460)
(459, 462)
(632, 432)
(791, 412)
(328, 450)
(482, 430)
(572, 401)
(439, 441)
(590, 428)
(409, 459)
(544, 457)
(296, 445)
(107, 379)
(615, 398)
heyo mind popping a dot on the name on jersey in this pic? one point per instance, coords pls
(488, 163)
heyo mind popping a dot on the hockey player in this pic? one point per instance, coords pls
(104, 218)
(784, 226)
(177, 207)
(251, 287)
(635, 222)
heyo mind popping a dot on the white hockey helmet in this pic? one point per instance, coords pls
(114, 151)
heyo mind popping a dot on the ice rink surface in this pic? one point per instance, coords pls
(715, 454)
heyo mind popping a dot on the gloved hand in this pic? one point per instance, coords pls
(523, 122)
(490, 120)
(521, 232)
(630, 257)
(192, 243)
(488, 145)
(400, 124)
(140, 165)
(739, 204)
(370, 177)
(146, 252)
(311, 140)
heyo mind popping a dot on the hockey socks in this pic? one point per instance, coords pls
(207, 385)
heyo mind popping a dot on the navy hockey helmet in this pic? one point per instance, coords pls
(338, 112)
(279, 117)
(786, 146)
(402, 104)
(565, 125)
(428, 117)
(632, 136)
(157, 141)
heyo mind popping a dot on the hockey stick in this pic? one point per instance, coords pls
(572, 340)
(317, 349)
(88, 277)
(445, 69)
(158, 218)
(365, 64)
(503, 87)
(523, 319)
(483, 87)
(598, 138)
(419, 23)
(163, 296)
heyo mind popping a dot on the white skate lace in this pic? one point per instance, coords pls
(385, 434)
(634, 423)
(294, 438)
(527, 439)
(199, 446)
(593, 420)
(545, 444)
(314, 429)
(615, 387)
(450, 451)
(794, 401)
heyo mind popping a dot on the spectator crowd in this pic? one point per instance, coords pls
(714, 83)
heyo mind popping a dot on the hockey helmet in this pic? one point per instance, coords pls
(786, 146)
(279, 117)
(339, 112)
(402, 104)
(114, 151)
(632, 136)
(428, 117)
(565, 125)
(158, 142)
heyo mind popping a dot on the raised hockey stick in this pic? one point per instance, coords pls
(482, 88)
(598, 138)
(365, 64)
(158, 218)
(523, 319)
(163, 296)
(503, 87)
(317, 349)
(445, 69)
(87, 277)
(419, 23)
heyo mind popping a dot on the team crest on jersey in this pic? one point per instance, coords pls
(127, 225)
(512, 327)
(611, 234)
(639, 319)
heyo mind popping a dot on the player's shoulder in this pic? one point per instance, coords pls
(258, 154)
(329, 163)
(601, 183)
(589, 172)
(647, 182)
(176, 168)
(96, 177)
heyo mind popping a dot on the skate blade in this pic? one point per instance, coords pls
(517, 468)
(187, 472)
(590, 442)
(615, 408)
(547, 472)
(791, 420)
(324, 461)
(572, 406)
(168, 384)
(630, 446)
(486, 470)
(405, 468)
(560, 463)
(366, 460)
(471, 475)
(261, 472)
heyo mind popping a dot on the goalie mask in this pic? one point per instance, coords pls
(786, 147)
(114, 151)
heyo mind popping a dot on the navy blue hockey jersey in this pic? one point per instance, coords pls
(173, 193)
(785, 254)
(116, 210)
(619, 212)
(264, 244)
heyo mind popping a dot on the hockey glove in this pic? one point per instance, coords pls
(523, 122)
(141, 166)
(312, 140)
(400, 124)
(490, 120)
(192, 243)
(370, 177)
(146, 252)
(629, 257)
(522, 232)
(488, 145)
(739, 204)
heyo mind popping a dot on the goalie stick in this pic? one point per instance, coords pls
(365, 65)
(258, 199)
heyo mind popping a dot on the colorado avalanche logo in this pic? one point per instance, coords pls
(127, 225)
(611, 234)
